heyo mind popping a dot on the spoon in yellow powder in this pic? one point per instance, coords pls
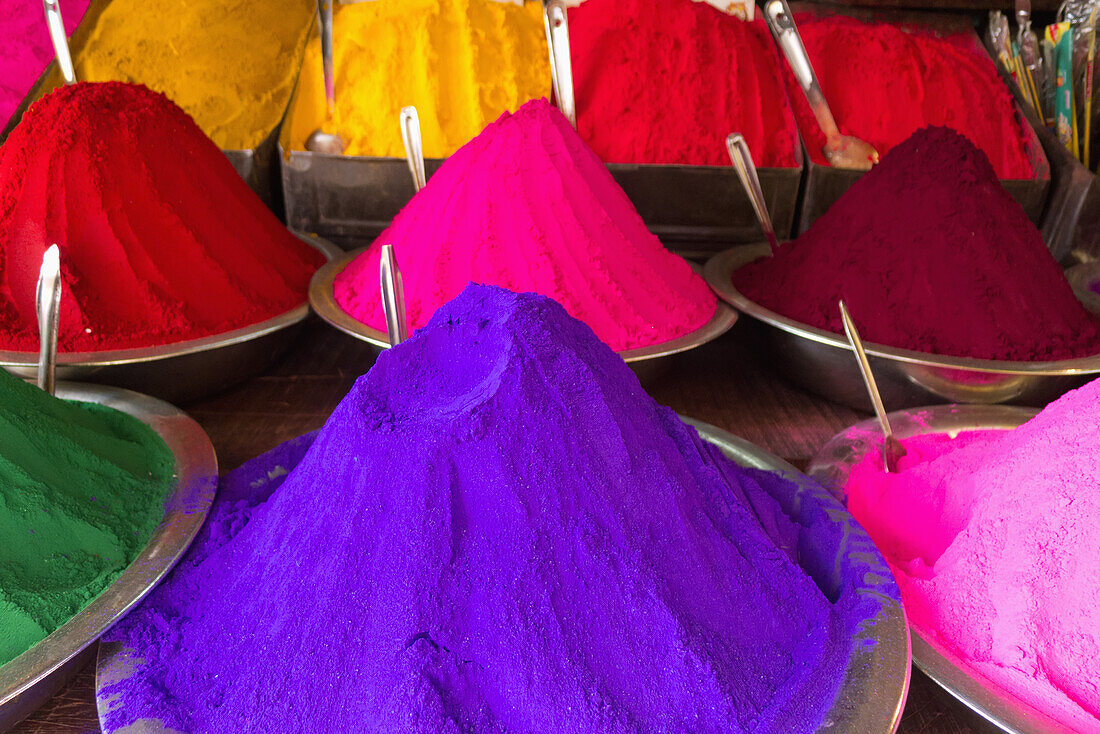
(47, 298)
(319, 141)
(414, 146)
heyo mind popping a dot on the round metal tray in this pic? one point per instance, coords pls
(832, 466)
(30, 679)
(183, 371)
(823, 363)
(647, 362)
(876, 680)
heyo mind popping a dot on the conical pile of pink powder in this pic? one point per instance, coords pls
(528, 206)
(995, 541)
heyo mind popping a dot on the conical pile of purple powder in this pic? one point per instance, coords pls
(496, 531)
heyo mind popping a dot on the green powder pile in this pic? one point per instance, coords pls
(82, 487)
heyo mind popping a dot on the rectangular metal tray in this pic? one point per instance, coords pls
(349, 200)
(824, 184)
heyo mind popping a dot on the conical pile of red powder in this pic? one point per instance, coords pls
(161, 241)
(930, 253)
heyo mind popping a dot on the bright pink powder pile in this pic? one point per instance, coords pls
(26, 50)
(995, 542)
(526, 205)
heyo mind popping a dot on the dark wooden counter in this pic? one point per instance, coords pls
(725, 384)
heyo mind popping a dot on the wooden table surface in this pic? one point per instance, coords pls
(725, 383)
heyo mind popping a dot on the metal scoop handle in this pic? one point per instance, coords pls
(324, 19)
(741, 157)
(414, 146)
(48, 303)
(56, 27)
(393, 296)
(892, 448)
(779, 18)
(561, 64)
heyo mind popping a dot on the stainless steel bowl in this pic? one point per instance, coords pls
(823, 363)
(831, 468)
(876, 681)
(647, 362)
(30, 679)
(1083, 277)
(183, 371)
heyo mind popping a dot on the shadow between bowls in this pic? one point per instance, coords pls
(823, 363)
(30, 679)
(832, 467)
(876, 679)
(647, 362)
(184, 371)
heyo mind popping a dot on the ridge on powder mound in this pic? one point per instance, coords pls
(930, 253)
(550, 550)
(527, 206)
(997, 552)
(161, 241)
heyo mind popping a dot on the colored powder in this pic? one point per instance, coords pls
(996, 546)
(161, 241)
(461, 63)
(529, 207)
(884, 82)
(82, 487)
(930, 253)
(230, 64)
(496, 531)
(26, 49)
(665, 81)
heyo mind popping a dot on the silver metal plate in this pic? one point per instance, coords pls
(183, 371)
(832, 466)
(646, 361)
(823, 363)
(28, 680)
(876, 680)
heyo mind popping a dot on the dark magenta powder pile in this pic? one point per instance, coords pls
(930, 253)
(496, 531)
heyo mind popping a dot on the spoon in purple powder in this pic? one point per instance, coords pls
(561, 64)
(48, 303)
(892, 450)
(393, 296)
(414, 147)
(741, 157)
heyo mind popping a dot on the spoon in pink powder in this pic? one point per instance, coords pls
(741, 157)
(393, 296)
(48, 303)
(892, 450)
(842, 151)
(561, 64)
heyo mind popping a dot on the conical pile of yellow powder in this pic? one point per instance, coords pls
(230, 64)
(461, 63)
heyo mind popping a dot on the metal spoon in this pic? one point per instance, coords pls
(892, 450)
(561, 64)
(60, 42)
(842, 151)
(319, 141)
(47, 298)
(746, 171)
(414, 146)
(393, 296)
